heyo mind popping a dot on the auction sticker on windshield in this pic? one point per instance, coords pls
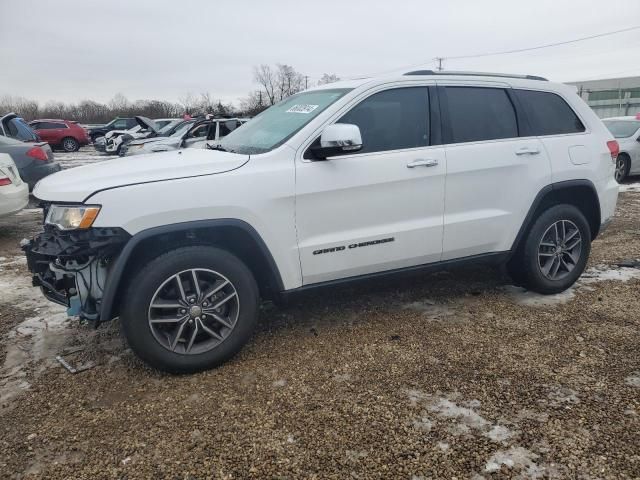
(302, 108)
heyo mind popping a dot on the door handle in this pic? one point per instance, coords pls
(528, 151)
(423, 163)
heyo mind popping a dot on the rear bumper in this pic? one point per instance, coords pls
(608, 192)
(35, 172)
(13, 199)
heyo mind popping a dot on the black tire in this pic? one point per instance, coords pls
(526, 266)
(623, 165)
(142, 288)
(70, 144)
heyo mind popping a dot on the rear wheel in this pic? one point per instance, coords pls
(623, 164)
(190, 309)
(556, 251)
(70, 144)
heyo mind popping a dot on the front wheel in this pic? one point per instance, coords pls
(556, 250)
(190, 309)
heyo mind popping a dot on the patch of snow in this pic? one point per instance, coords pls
(355, 455)
(447, 409)
(629, 187)
(444, 446)
(423, 424)
(280, 383)
(562, 396)
(633, 380)
(518, 458)
(533, 299)
(599, 273)
(29, 211)
(38, 338)
(499, 433)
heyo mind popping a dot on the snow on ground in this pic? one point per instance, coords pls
(85, 156)
(630, 187)
(34, 341)
(599, 273)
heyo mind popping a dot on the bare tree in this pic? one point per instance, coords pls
(253, 104)
(328, 78)
(266, 78)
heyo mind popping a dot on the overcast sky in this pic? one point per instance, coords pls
(70, 50)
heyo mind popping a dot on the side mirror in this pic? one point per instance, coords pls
(338, 139)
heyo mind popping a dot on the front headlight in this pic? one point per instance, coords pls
(72, 217)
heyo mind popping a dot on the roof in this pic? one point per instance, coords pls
(448, 75)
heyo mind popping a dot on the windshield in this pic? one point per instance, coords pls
(183, 129)
(164, 131)
(280, 122)
(622, 128)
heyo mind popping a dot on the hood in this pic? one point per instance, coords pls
(147, 124)
(76, 184)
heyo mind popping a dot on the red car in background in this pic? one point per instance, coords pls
(64, 134)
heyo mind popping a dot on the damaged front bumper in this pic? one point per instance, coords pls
(71, 267)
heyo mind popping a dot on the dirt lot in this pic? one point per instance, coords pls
(448, 375)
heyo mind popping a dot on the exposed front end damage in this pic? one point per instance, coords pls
(71, 267)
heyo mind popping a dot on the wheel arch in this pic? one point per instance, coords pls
(235, 236)
(580, 193)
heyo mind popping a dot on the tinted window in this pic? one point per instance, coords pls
(49, 125)
(548, 113)
(120, 125)
(622, 128)
(392, 120)
(477, 113)
(19, 129)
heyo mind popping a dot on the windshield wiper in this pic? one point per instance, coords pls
(218, 147)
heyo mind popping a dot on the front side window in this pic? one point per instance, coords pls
(120, 125)
(392, 120)
(280, 122)
(228, 126)
(548, 113)
(480, 113)
(200, 131)
(622, 128)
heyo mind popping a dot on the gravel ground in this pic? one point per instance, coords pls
(450, 375)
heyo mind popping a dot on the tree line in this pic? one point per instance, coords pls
(274, 83)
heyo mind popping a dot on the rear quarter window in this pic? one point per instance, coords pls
(548, 113)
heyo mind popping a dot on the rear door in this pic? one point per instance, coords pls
(493, 173)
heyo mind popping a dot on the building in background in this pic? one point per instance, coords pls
(613, 97)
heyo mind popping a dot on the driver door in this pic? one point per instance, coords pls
(380, 208)
(198, 135)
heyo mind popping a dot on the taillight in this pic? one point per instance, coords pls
(5, 181)
(614, 149)
(37, 153)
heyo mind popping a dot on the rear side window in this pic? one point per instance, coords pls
(479, 113)
(548, 113)
(392, 120)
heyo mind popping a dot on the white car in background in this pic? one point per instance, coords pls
(626, 131)
(14, 193)
(115, 139)
(197, 135)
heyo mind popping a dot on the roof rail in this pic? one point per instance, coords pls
(476, 74)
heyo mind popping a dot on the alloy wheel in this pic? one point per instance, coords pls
(193, 311)
(559, 249)
(621, 169)
(69, 145)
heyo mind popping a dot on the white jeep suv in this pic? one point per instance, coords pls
(343, 182)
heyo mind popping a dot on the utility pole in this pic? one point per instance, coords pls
(306, 82)
(439, 60)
